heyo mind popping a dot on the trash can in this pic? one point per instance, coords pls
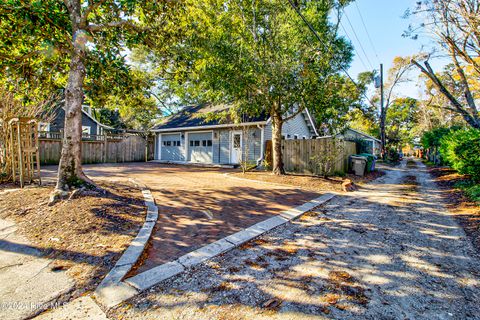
(359, 164)
(371, 159)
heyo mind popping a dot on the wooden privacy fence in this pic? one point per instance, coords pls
(313, 156)
(99, 148)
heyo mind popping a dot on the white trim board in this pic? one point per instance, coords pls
(203, 128)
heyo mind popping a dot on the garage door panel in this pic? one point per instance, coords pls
(200, 147)
(172, 149)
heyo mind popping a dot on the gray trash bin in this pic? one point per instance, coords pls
(359, 164)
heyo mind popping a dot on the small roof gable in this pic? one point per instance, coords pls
(197, 116)
(364, 134)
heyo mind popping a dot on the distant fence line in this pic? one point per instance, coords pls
(107, 148)
(302, 156)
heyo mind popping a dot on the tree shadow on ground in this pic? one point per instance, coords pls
(190, 219)
(393, 255)
(85, 236)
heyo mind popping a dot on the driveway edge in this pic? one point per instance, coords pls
(112, 291)
(118, 292)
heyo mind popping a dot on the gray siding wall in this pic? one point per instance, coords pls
(58, 122)
(253, 141)
(221, 140)
(156, 148)
(295, 126)
(375, 146)
(221, 146)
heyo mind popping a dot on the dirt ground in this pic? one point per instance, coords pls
(309, 182)
(387, 251)
(86, 235)
(465, 211)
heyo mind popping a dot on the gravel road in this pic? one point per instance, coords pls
(387, 251)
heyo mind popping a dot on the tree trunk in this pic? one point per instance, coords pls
(277, 123)
(70, 167)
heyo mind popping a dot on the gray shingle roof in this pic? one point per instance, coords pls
(195, 116)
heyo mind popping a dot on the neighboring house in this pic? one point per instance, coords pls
(90, 126)
(190, 137)
(374, 145)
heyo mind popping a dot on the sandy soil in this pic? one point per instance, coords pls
(465, 211)
(388, 251)
(309, 182)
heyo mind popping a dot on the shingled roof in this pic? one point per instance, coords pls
(196, 116)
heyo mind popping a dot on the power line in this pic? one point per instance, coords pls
(368, 33)
(354, 48)
(326, 49)
(358, 40)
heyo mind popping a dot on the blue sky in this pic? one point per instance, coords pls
(384, 22)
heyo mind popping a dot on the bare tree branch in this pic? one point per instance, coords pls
(114, 24)
(91, 8)
(428, 71)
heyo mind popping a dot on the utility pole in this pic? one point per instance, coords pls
(382, 114)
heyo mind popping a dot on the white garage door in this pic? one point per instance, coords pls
(200, 147)
(172, 147)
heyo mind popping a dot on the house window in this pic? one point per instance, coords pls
(86, 130)
(209, 143)
(197, 143)
(304, 138)
(288, 136)
(236, 141)
(191, 143)
(44, 127)
(204, 143)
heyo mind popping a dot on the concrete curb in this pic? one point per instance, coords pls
(154, 276)
(112, 291)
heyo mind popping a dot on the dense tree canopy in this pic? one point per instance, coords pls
(35, 55)
(260, 57)
(454, 26)
(401, 122)
(77, 45)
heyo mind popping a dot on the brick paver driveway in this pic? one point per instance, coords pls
(198, 205)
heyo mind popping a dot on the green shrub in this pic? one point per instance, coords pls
(474, 193)
(432, 138)
(471, 189)
(461, 150)
(393, 155)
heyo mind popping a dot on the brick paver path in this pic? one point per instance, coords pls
(199, 205)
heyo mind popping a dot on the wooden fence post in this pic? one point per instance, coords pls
(146, 148)
(105, 146)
